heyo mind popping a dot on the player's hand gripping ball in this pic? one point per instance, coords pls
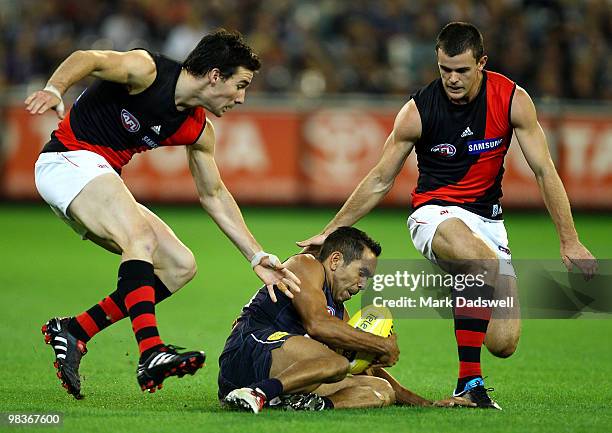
(372, 319)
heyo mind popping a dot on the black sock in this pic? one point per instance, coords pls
(272, 388)
(471, 325)
(135, 285)
(161, 291)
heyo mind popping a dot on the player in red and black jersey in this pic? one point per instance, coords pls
(460, 126)
(141, 101)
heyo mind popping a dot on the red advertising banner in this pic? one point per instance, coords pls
(283, 156)
(340, 147)
(586, 160)
(257, 154)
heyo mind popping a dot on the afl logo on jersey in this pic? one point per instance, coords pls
(129, 121)
(445, 150)
(330, 310)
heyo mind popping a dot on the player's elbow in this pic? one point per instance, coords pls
(381, 183)
(210, 199)
(314, 329)
(544, 170)
(78, 53)
(319, 330)
(85, 57)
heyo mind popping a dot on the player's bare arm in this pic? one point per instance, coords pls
(373, 188)
(136, 69)
(311, 306)
(221, 206)
(533, 144)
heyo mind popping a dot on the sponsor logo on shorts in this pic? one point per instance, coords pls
(480, 146)
(443, 212)
(445, 150)
(277, 336)
(504, 249)
(129, 121)
(330, 310)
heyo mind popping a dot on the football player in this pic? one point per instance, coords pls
(280, 353)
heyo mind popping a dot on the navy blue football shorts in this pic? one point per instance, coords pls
(247, 356)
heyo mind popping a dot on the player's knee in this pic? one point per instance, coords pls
(486, 264)
(338, 368)
(503, 347)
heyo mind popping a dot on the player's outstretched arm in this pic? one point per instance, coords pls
(136, 69)
(532, 141)
(311, 305)
(376, 184)
(221, 206)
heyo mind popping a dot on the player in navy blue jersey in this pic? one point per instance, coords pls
(141, 101)
(460, 126)
(279, 353)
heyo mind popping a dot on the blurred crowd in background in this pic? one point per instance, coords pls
(553, 48)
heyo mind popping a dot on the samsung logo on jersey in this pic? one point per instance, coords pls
(445, 149)
(129, 121)
(480, 146)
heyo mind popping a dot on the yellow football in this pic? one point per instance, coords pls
(372, 319)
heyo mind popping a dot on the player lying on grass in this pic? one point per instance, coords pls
(280, 353)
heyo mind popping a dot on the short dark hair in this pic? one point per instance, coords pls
(222, 49)
(458, 37)
(350, 242)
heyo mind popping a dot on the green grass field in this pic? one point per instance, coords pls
(560, 379)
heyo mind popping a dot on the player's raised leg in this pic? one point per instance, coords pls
(107, 209)
(174, 266)
(173, 262)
